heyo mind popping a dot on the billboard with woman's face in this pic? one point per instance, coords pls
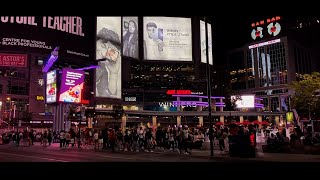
(108, 53)
(130, 37)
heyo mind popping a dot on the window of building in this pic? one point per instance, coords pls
(18, 87)
(278, 65)
(250, 69)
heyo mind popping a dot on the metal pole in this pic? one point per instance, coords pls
(310, 119)
(209, 88)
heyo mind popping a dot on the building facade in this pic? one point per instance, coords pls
(266, 66)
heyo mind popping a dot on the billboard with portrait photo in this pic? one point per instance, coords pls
(167, 38)
(72, 82)
(51, 87)
(130, 37)
(203, 42)
(108, 48)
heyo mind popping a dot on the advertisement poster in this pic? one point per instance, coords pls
(13, 60)
(51, 87)
(72, 82)
(108, 53)
(41, 34)
(167, 38)
(203, 42)
(130, 37)
(245, 101)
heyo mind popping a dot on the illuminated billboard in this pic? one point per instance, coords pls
(13, 60)
(51, 87)
(266, 28)
(167, 38)
(130, 37)
(244, 101)
(203, 42)
(72, 82)
(41, 34)
(108, 49)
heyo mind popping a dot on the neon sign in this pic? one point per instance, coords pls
(172, 92)
(262, 22)
(182, 92)
(270, 25)
(264, 43)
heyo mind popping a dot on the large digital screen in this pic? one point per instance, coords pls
(72, 82)
(108, 49)
(167, 38)
(41, 34)
(203, 42)
(51, 87)
(130, 37)
(244, 101)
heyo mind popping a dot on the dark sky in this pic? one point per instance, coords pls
(229, 33)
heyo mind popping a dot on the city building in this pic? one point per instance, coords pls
(275, 56)
(26, 45)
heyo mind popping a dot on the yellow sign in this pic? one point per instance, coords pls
(289, 116)
(40, 98)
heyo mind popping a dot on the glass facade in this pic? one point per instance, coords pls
(250, 69)
(278, 65)
(261, 71)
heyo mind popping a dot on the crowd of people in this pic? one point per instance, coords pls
(181, 139)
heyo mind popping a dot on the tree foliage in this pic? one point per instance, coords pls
(304, 93)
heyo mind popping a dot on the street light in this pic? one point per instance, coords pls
(209, 88)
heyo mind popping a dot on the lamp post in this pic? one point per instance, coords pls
(209, 88)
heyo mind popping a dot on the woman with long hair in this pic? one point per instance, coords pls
(130, 40)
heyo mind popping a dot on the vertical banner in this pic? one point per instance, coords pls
(203, 42)
(130, 37)
(108, 53)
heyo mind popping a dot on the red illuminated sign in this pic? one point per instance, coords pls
(262, 22)
(178, 92)
(14, 60)
(83, 101)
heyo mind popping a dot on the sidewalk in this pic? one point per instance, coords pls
(203, 154)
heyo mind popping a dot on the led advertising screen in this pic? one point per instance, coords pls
(108, 49)
(167, 38)
(41, 34)
(130, 37)
(51, 87)
(72, 82)
(203, 42)
(245, 101)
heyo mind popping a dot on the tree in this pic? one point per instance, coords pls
(304, 98)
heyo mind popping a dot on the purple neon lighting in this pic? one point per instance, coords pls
(198, 96)
(259, 99)
(89, 67)
(196, 102)
(49, 64)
